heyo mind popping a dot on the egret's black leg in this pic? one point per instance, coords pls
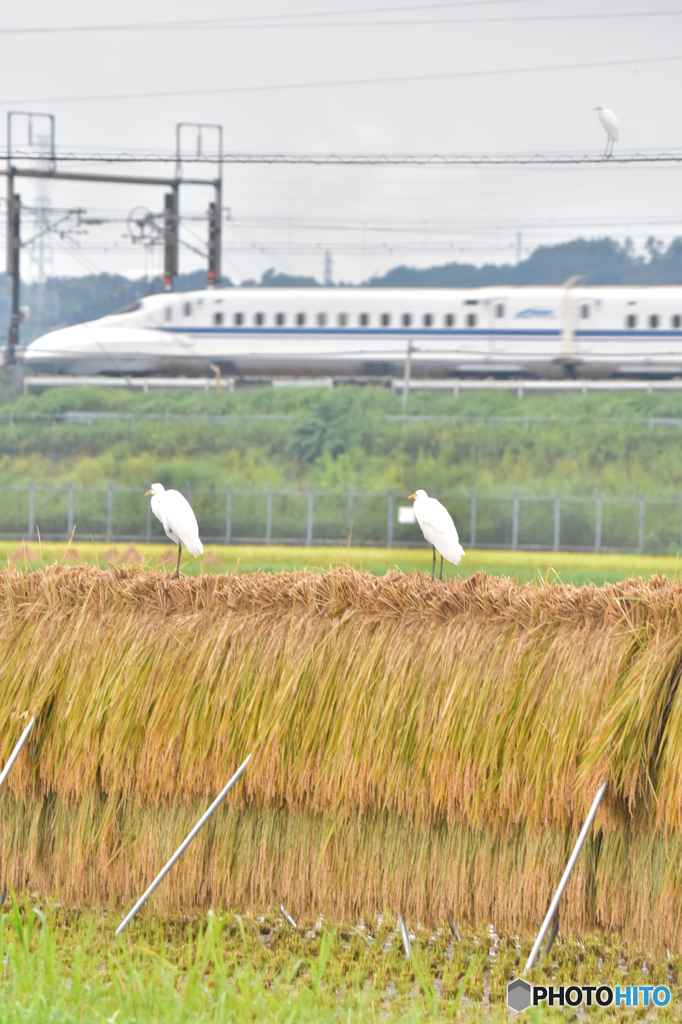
(441, 568)
(177, 571)
(433, 567)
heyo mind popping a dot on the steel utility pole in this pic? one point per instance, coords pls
(170, 239)
(13, 264)
(214, 241)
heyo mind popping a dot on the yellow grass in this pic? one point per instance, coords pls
(430, 746)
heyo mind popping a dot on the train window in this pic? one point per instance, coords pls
(300, 319)
(259, 319)
(499, 309)
(280, 319)
(428, 319)
(364, 319)
(238, 319)
(471, 319)
(584, 311)
(321, 319)
(187, 309)
(407, 319)
(631, 321)
(217, 319)
(654, 320)
(169, 312)
(385, 319)
(471, 302)
(343, 319)
(449, 319)
(676, 321)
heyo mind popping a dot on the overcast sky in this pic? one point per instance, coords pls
(368, 218)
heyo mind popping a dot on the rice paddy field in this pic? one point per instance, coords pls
(522, 566)
(418, 747)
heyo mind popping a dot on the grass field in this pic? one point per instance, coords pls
(523, 566)
(59, 966)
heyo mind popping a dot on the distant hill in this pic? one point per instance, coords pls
(597, 261)
(71, 300)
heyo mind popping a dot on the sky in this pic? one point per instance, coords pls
(343, 77)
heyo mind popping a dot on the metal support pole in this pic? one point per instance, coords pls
(183, 846)
(214, 237)
(552, 935)
(110, 511)
(31, 510)
(268, 514)
(13, 263)
(405, 936)
(408, 374)
(170, 239)
(69, 520)
(228, 516)
(640, 524)
(472, 528)
(309, 521)
(515, 523)
(15, 753)
(389, 524)
(597, 524)
(351, 496)
(557, 520)
(553, 907)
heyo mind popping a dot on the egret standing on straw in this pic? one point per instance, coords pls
(175, 513)
(438, 529)
(610, 123)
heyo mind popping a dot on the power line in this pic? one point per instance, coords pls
(391, 80)
(367, 159)
(246, 20)
(279, 25)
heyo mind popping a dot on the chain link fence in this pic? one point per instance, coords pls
(306, 517)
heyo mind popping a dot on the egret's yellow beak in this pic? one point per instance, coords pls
(148, 492)
(411, 495)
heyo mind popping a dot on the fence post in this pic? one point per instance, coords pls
(597, 524)
(557, 520)
(640, 524)
(389, 524)
(228, 515)
(148, 531)
(268, 514)
(351, 498)
(472, 528)
(31, 510)
(110, 511)
(515, 522)
(309, 522)
(69, 522)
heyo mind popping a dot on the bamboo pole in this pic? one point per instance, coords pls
(181, 849)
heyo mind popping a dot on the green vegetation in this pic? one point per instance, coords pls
(60, 966)
(334, 439)
(522, 566)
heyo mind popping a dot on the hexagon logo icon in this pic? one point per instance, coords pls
(518, 995)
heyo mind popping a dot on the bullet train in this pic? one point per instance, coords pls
(543, 332)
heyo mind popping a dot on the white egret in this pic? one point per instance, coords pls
(438, 529)
(610, 123)
(175, 513)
